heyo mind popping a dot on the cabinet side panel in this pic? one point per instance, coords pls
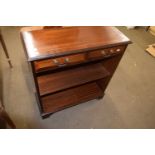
(111, 66)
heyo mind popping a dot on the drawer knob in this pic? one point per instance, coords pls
(111, 51)
(118, 50)
(66, 59)
(103, 52)
(55, 61)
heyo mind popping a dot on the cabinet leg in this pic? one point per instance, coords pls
(100, 97)
(46, 115)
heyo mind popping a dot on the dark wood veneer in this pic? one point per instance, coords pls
(70, 97)
(72, 65)
(48, 43)
(57, 81)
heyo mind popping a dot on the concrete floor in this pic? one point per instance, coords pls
(129, 101)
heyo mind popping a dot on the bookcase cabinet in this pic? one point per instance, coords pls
(72, 65)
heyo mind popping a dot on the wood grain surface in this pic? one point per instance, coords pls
(46, 43)
(51, 83)
(70, 97)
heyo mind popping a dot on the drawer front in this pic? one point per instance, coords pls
(105, 52)
(43, 65)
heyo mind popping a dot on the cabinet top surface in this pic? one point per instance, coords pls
(46, 43)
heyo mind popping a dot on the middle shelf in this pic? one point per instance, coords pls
(54, 82)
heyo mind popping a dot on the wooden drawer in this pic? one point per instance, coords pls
(77, 58)
(59, 62)
(105, 52)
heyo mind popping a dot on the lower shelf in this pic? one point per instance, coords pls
(70, 97)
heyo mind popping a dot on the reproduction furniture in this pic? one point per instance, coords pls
(72, 65)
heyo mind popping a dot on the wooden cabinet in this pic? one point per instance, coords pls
(72, 65)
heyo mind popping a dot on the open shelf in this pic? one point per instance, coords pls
(51, 83)
(70, 97)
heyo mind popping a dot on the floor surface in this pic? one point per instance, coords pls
(129, 101)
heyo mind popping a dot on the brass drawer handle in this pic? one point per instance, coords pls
(59, 64)
(118, 50)
(103, 52)
(111, 51)
(56, 61)
(67, 60)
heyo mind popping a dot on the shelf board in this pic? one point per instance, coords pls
(58, 81)
(70, 97)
